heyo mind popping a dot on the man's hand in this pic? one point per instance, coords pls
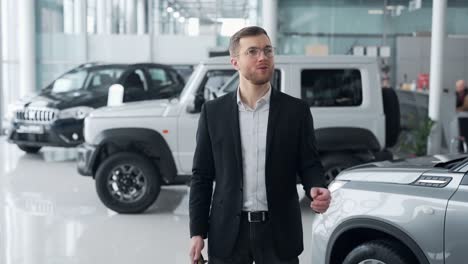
(196, 246)
(321, 199)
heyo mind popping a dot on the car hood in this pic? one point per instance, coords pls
(67, 100)
(403, 171)
(135, 109)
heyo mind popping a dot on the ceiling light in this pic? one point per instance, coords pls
(170, 9)
(375, 12)
(182, 19)
(176, 14)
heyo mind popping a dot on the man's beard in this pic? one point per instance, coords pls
(259, 80)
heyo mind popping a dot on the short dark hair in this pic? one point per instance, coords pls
(245, 32)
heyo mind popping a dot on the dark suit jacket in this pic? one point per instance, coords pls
(290, 151)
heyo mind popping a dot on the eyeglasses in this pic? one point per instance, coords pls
(255, 52)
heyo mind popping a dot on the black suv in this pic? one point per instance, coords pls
(55, 116)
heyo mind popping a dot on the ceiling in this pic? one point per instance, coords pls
(210, 10)
(213, 9)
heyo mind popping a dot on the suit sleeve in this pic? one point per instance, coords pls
(202, 180)
(310, 168)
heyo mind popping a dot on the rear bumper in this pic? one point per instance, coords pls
(86, 158)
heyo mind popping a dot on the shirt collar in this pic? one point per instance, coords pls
(265, 98)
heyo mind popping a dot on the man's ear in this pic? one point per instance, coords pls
(234, 63)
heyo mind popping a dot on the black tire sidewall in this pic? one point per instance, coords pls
(29, 149)
(385, 251)
(392, 116)
(137, 160)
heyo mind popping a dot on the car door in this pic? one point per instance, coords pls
(213, 78)
(456, 226)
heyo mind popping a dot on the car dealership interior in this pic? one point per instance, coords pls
(100, 106)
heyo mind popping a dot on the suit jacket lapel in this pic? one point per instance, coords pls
(236, 134)
(272, 117)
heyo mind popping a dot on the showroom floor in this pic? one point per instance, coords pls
(52, 215)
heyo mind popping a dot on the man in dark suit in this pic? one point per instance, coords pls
(253, 143)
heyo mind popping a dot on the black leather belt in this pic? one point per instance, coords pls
(256, 216)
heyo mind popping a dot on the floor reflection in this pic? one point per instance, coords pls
(49, 214)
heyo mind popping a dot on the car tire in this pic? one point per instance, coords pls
(391, 107)
(378, 252)
(335, 163)
(127, 183)
(29, 149)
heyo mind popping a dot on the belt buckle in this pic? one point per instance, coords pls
(249, 217)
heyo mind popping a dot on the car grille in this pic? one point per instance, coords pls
(37, 115)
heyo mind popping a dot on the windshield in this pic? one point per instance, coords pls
(188, 84)
(70, 81)
(230, 85)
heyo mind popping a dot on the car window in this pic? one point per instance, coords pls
(232, 84)
(213, 81)
(135, 80)
(71, 81)
(160, 77)
(184, 70)
(331, 87)
(103, 78)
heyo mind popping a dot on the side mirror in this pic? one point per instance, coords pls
(197, 104)
(115, 95)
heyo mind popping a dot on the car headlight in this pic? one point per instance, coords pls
(335, 185)
(75, 112)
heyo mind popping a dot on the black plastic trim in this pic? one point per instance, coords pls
(346, 138)
(86, 157)
(154, 145)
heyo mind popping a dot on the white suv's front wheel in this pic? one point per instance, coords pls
(127, 182)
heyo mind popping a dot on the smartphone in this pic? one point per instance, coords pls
(201, 260)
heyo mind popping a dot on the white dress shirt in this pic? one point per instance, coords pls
(253, 125)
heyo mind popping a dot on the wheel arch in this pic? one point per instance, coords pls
(144, 141)
(359, 230)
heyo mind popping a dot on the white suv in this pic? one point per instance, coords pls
(134, 148)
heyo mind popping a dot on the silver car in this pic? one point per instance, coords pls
(402, 212)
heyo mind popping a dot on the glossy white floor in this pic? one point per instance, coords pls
(49, 214)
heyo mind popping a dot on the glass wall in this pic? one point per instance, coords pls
(9, 76)
(371, 28)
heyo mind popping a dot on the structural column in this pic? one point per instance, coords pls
(141, 17)
(101, 16)
(437, 65)
(156, 18)
(253, 13)
(80, 27)
(2, 106)
(130, 17)
(26, 47)
(68, 16)
(109, 17)
(270, 18)
(79, 10)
